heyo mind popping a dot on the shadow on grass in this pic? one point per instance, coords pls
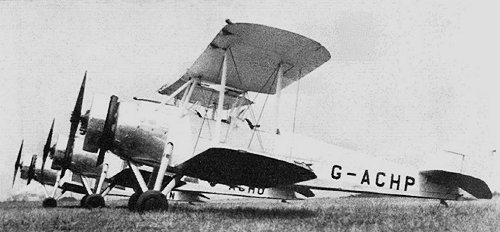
(239, 211)
(229, 211)
(76, 206)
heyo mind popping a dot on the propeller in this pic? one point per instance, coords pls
(74, 120)
(31, 170)
(107, 137)
(17, 165)
(46, 148)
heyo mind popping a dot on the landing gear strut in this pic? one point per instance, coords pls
(50, 201)
(95, 198)
(151, 197)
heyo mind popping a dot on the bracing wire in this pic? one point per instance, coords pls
(295, 114)
(249, 107)
(262, 110)
(204, 118)
(236, 68)
(296, 105)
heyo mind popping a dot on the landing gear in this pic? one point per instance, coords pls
(152, 200)
(443, 202)
(82, 201)
(49, 203)
(94, 201)
(132, 201)
(95, 197)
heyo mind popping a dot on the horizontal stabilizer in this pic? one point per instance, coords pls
(474, 186)
(303, 190)
(236, 167)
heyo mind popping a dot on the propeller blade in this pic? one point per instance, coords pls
(75, 120)
(100, 158)
(18, 162)
(63, 171)
(31, 170)
(46, 148)
(107, 137)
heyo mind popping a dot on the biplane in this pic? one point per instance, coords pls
(49, 178)
(86, 178)
(199, 139)
(93, 182)
(82, 165)
(67, 154)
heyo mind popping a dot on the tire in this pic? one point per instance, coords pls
(94, 201)
(49, 203)
(82, 201)
(152, 201)
(132, 201)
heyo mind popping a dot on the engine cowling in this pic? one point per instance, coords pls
(82, 162)
(49, 176)
(139, 132)
(24, 172)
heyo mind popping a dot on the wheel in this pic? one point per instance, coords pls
(94, 201)
(132, 201)
(152, 201)
(82, 201)
(49, 203)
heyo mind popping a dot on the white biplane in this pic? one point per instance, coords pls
(52, 178)
(198, 140)
(83, 171)
(86, 178)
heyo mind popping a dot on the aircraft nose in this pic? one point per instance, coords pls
(24, 172)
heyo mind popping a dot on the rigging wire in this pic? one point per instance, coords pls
(236, 68)
(204, 118)
(262, 110)
(249, 107)
(295, 113)
(296, 102)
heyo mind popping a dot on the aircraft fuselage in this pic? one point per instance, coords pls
(143, 129)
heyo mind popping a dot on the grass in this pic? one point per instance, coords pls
(326, 214)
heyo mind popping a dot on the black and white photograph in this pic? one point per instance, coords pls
(218, 115)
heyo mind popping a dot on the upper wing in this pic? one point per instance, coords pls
(237, 167)
(255, 51)
(476, 187)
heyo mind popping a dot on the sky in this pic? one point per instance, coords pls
(406, 80)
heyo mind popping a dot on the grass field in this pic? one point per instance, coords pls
(326, 214)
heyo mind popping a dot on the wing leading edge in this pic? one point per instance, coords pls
(255, 51)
